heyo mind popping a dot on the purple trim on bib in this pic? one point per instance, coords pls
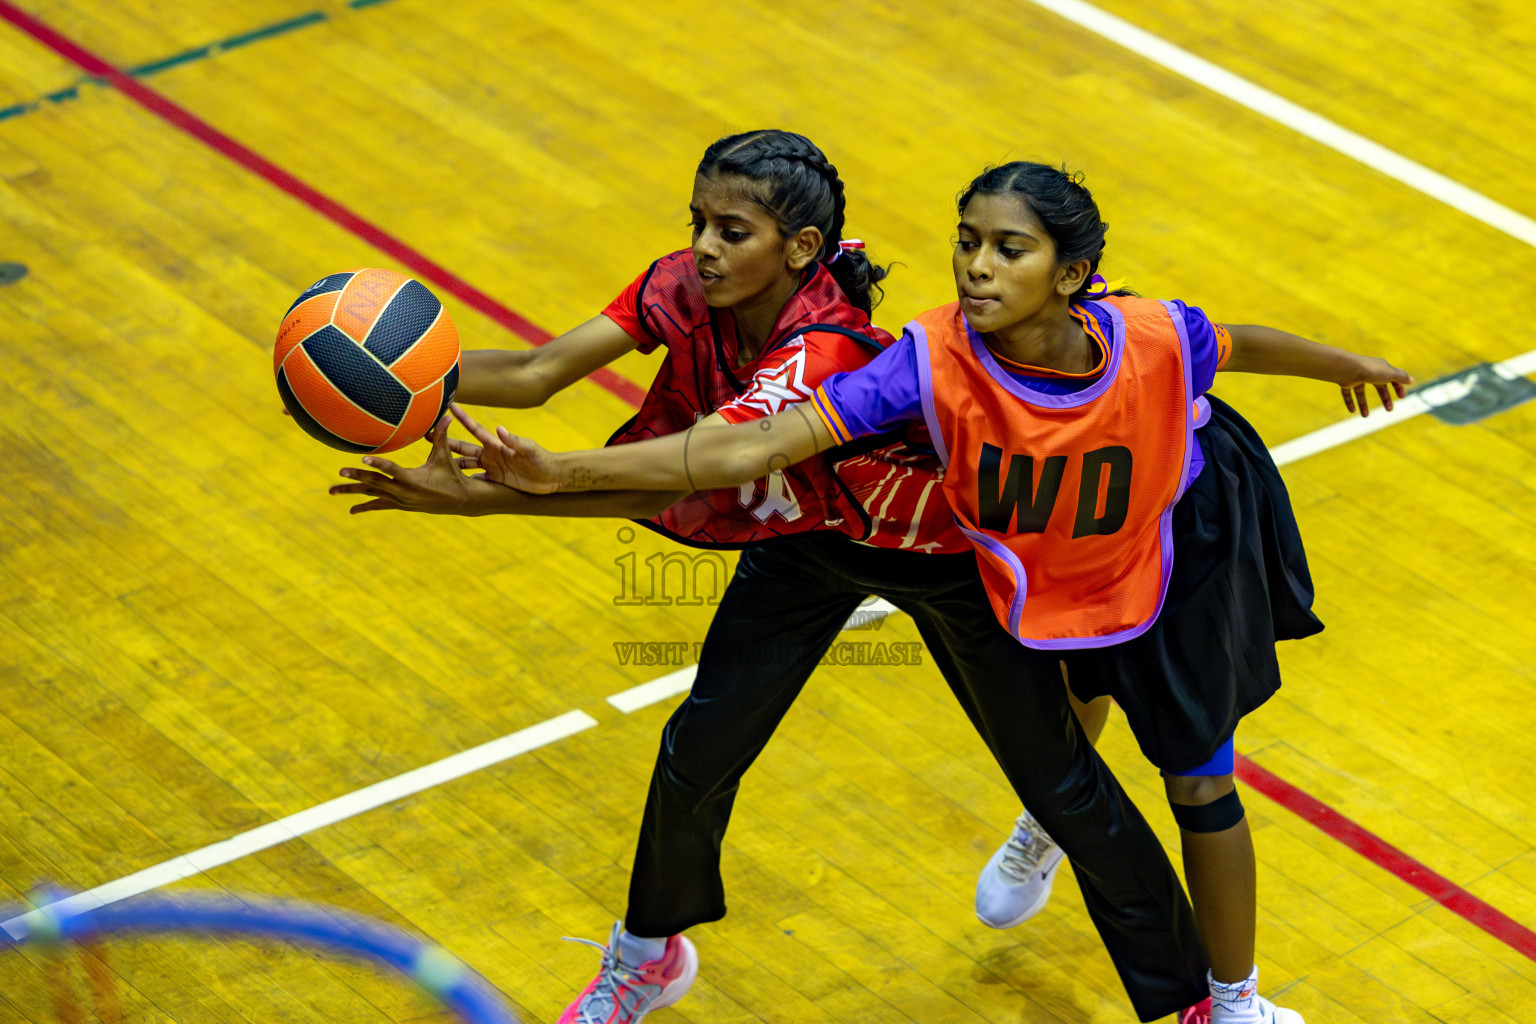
(924, 354)
(1188, 406)
(1015, 567)
(1070, 400)
(1077, 643)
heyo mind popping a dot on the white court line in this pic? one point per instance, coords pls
(343, 807)
(1313, 126)
(655, 691)
(1356, 427)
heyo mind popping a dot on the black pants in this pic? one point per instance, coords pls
(782, 610)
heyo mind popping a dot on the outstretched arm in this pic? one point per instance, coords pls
(1266, 350)
(438, 486)
(709, 455)
(524, 378)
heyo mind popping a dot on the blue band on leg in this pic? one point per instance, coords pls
(1221, 763)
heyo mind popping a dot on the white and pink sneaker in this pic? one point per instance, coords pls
(621, 994)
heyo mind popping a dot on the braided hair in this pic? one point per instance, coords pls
(800, 189)
(1062, 203)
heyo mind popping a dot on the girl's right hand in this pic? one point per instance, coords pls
(1372, 372)
(506, 458)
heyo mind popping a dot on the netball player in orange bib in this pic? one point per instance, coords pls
(769, 302)
(1124, 521)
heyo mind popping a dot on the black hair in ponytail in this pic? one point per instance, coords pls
(800, 189)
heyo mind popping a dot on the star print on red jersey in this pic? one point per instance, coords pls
(780, 386)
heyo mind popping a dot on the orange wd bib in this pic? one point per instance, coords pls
(1068, 499)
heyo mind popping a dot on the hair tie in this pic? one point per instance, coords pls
(844, 246)
(1102, 287)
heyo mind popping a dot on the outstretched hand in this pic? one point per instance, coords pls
(1387, 379)
(505, 458)
(435, 486)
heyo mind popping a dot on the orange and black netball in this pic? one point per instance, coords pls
(366, 360)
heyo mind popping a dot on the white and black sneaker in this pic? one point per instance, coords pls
(1016, 883)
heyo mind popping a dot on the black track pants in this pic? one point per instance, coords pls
(780, 614)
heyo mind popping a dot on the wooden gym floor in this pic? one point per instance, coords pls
(196, 641)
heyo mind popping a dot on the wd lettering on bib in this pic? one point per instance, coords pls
(1103, 494)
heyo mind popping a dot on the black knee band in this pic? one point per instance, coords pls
(1217, 816)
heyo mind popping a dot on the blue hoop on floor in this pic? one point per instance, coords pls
(429, 966)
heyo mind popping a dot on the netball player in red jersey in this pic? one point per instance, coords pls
(1123, 520)
(766, 304)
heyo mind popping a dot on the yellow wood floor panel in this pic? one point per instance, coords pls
(1362, 775)
(891, 895)
(253, 315)
(1432, 938)
(529, 93)
(138, 771)
(137, 32)
(1411, 979)
(946, 797)
(537, 981)
(1447, 84)
(781, 997)
(1340, 884)
(159, 651)
(1319, 900)
(1465, 661)
(28, 72)
(1470, 1008)
(238, 662)
(1306, 927)
(1493, 460)
(170, 715)
(418, 882)
(1443, 940)
(376, 875)
(471, 189)
(921, 808)
(1513, 888)
(898, 992)
(546, 968)
(66, 810)
(751, 931)
(1364, 994)
(603, 818)
(571, 962)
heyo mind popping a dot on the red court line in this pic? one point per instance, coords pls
(190, 123)
(1334, 824)
(1383, 854)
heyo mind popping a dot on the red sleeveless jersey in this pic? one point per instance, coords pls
(818, 333)
(1068, 499)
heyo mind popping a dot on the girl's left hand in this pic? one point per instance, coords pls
(1388, 380)
(505, 458)
(436, 486)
